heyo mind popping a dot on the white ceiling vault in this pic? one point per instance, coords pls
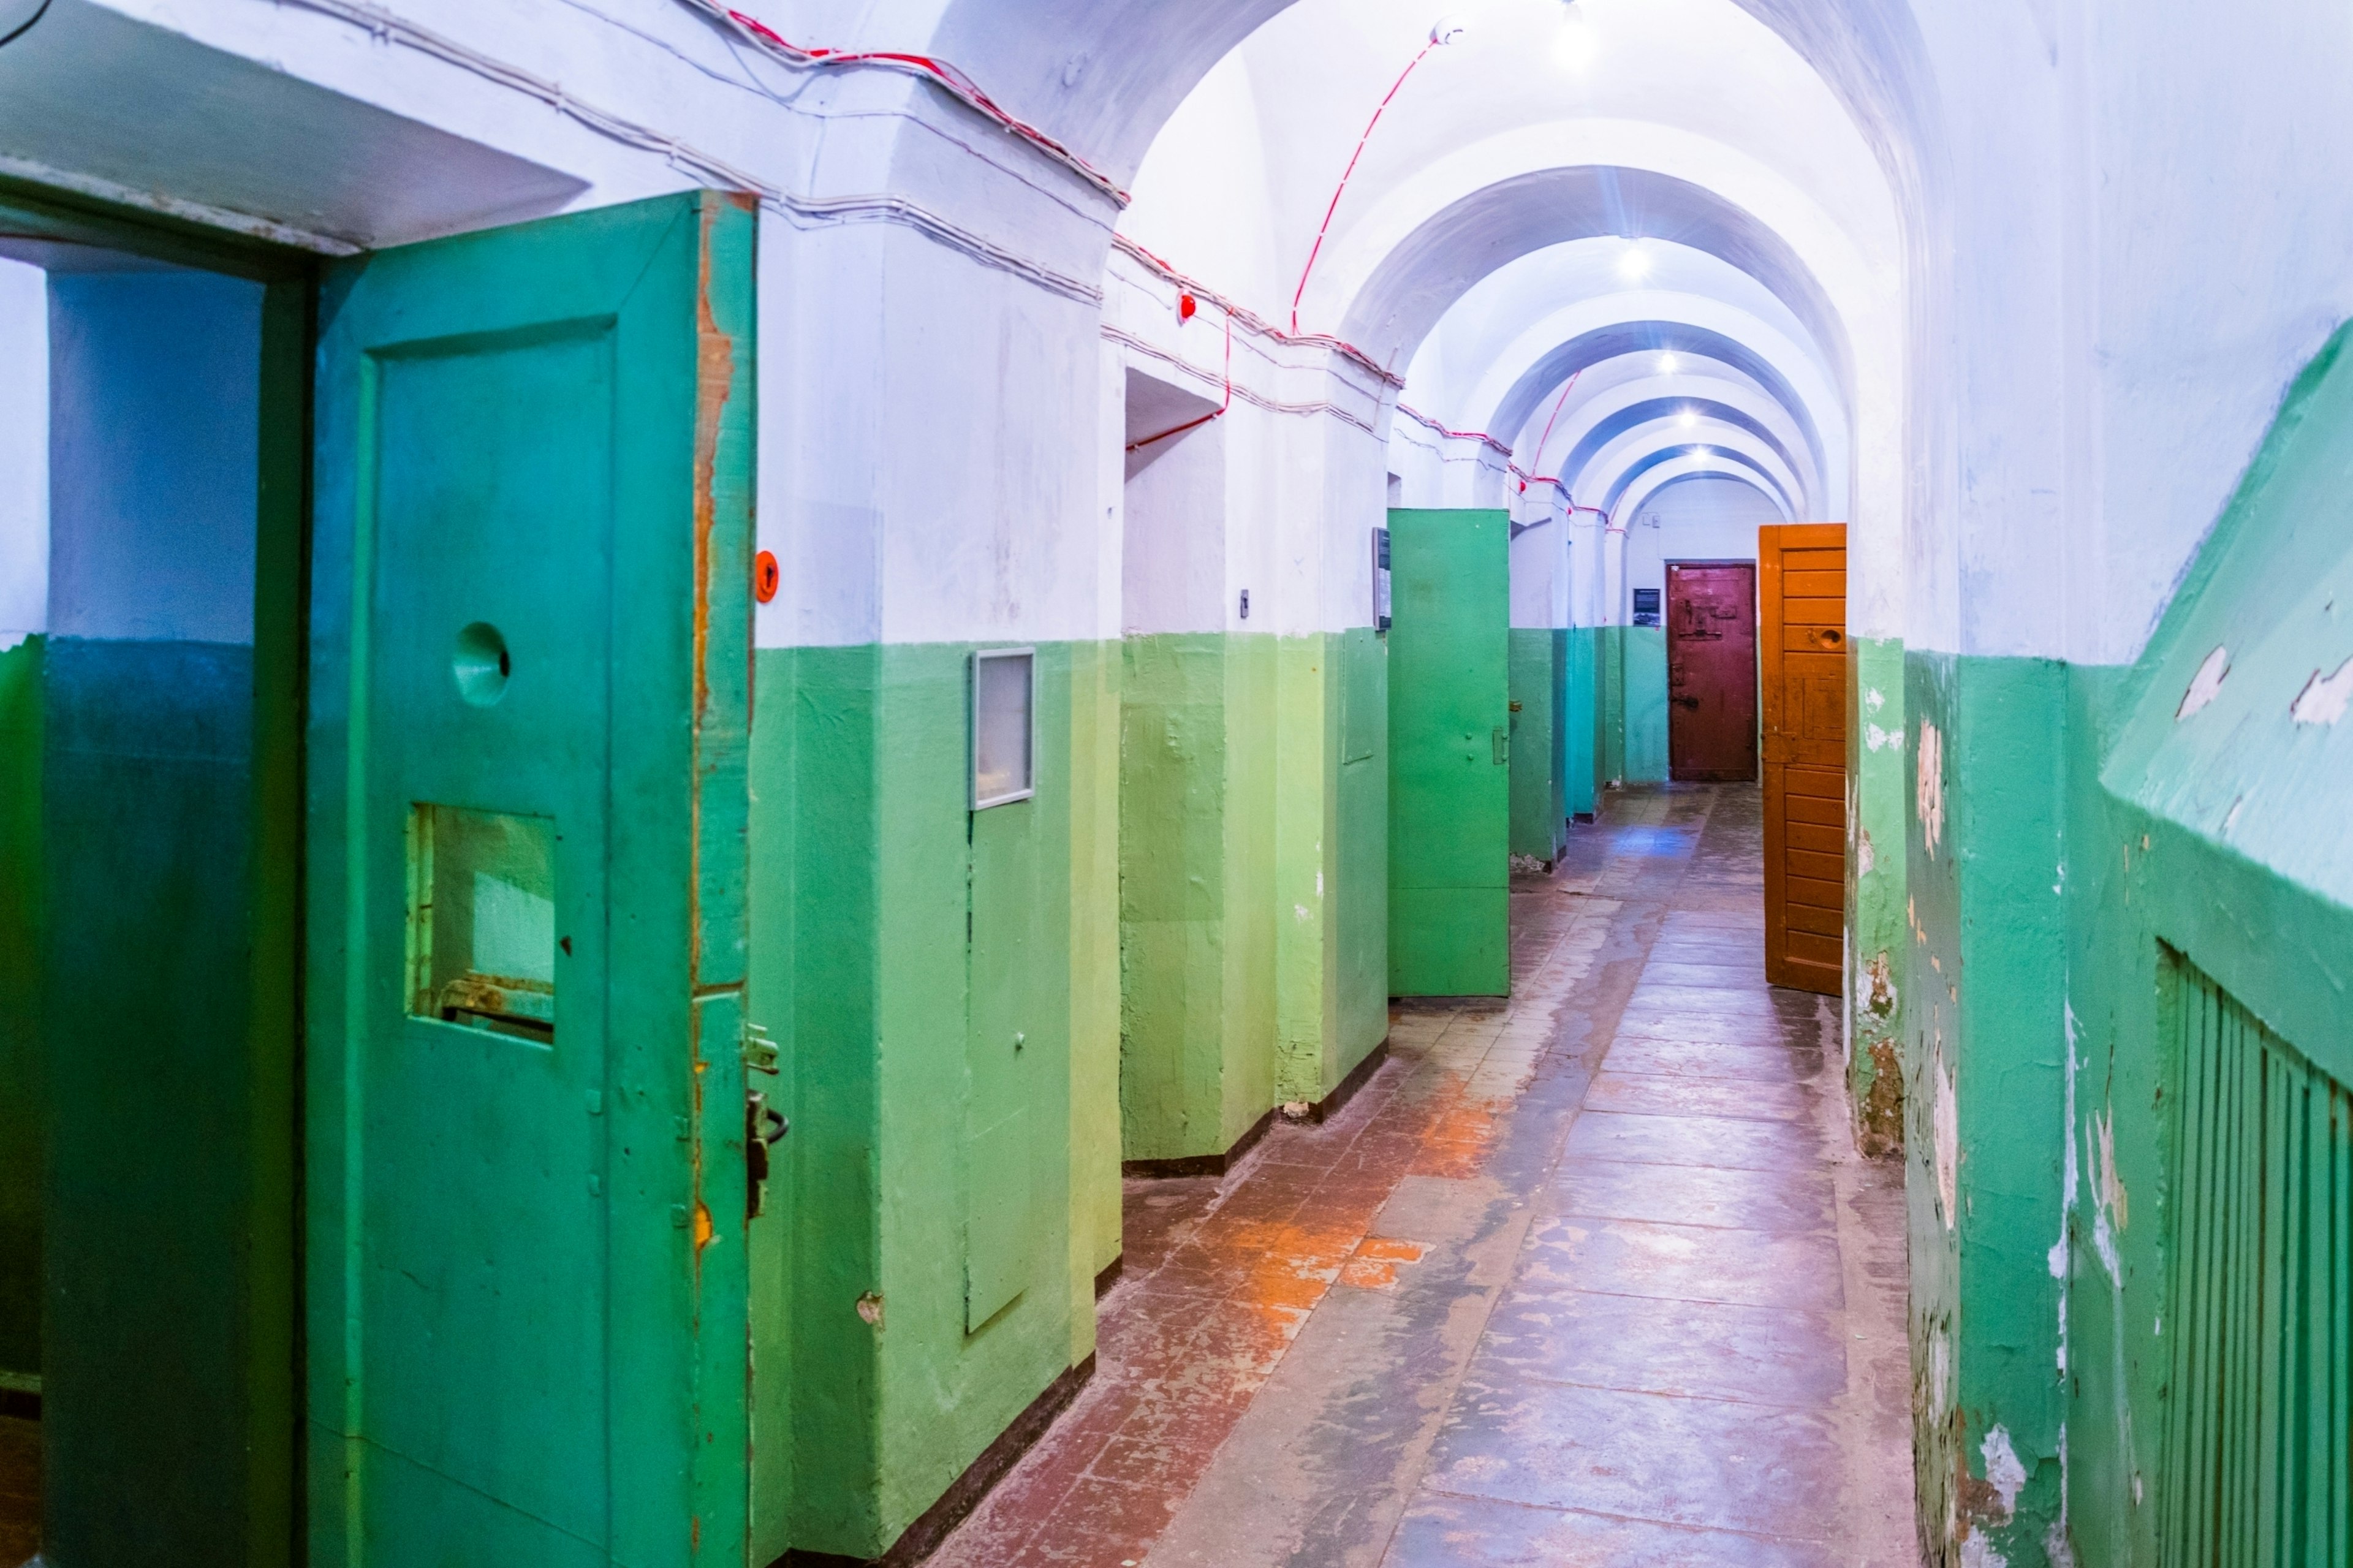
(1626, 240)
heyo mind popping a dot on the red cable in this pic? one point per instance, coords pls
(1212, 414)
(1526, 480)
(937, 70)
(1317, 247)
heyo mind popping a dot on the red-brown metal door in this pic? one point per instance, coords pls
(1711, 671)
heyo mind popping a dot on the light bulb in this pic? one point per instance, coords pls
(1574, 45)
(1689, 419)
(1668, 365)
(1449, 29)
(1635, 265)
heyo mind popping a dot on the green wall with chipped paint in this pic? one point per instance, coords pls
(862, 1294)
(1986, 1042)
(1878, 945)
(21, 1132)
(1539, 688)
(2091, 821)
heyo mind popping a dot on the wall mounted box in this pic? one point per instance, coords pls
(1004, 726)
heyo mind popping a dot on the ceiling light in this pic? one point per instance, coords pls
(1635, 265)
(1689, 419)
(1573, 46)
(1449, 29)
(1667, 363)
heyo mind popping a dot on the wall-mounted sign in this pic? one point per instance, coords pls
(1380, 579)
(1646, 606)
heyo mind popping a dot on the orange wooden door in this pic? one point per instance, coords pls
(1802, 598)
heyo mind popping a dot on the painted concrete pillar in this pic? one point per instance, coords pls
(1539, 678)
(1253, 784)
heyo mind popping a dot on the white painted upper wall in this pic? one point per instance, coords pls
(24, 450)
(2071, 363)
(155, 455)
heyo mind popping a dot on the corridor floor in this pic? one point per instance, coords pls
(1591, 1278)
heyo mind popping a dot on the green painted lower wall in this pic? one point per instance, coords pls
(166, 1036)
(1878, 944)
(21, 1103)
(1095, 674)
(2087, 846)
(1985, 1069)
(1332, 873)
(1629, 682)
(1585, 710)
(1197, 877)
(1201, 870)
(860, 779)
(1643, 704)
(1539, 678)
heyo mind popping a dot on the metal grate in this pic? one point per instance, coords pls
(2258, 1446)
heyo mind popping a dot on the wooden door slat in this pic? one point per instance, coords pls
(1804, 672)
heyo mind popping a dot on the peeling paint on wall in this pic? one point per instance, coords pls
(1948, 1144)
(2205, 685)
(1931, 792)
(2323, 701)
(2003, 1470)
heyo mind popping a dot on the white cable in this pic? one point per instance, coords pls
(804, 211)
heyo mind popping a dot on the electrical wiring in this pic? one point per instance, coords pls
(1527, 479)
(1436, 38)
(1249, 319)
(706, 168)
(25, 27)
(1240, 393)
(1524, 477)
(1216, 413)
(937, 71)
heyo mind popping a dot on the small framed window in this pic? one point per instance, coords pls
(1004, 726)
(481, 921)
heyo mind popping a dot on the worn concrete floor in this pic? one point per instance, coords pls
(1592, 1278)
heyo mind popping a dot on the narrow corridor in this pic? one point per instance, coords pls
(1594, 1278)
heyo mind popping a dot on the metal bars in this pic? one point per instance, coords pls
(2258, 1440)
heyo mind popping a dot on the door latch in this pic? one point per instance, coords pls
(762, 1125)
(1502, 742)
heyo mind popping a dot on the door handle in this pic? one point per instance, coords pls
(763, 1126)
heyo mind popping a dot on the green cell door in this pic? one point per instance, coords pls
(531, 623)
(1449, 753)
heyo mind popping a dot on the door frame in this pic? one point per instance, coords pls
(1756, 660)
(270, 1316)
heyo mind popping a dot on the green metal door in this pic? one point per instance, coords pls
(531, 630)
(1449, 753)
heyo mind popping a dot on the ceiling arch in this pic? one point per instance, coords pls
(1604, 416)
(1589, 332)
(1604, 482)
(1666, 475)
(1399, 270)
